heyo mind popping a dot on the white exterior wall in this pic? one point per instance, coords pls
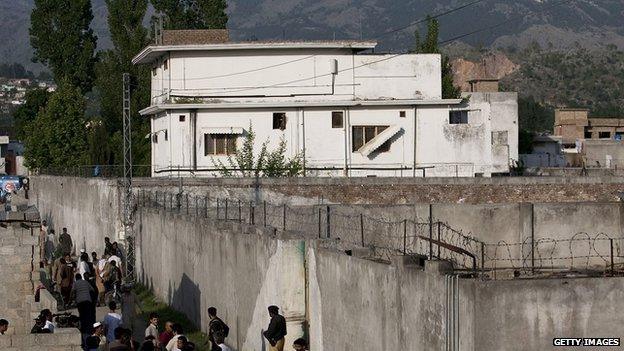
(278, 75)
(370, 90)
(451, 149)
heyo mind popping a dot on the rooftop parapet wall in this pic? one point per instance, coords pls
(195, 36)
(404, 190)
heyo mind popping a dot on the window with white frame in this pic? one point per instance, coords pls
(219, 144)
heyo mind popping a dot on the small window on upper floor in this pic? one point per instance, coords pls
(604, 135)
(279, 120)
(458, 117)
(155, 138)
(154, 71)
(182, 118)
(166, 65)
(588, 135)
(402, 114)
(337, 119)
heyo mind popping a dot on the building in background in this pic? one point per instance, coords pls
(590, 142)
(347, 111)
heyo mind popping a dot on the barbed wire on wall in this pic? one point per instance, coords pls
(383, 238)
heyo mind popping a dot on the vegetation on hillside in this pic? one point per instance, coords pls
(576, 78)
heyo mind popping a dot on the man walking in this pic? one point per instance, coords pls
(216, 327)
(66, 279)
(112, 321)
(276, 331)
(65, 242)
(82, 291)
(43, 234)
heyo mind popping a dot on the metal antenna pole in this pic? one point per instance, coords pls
(127, 179)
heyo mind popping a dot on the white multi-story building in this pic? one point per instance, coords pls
(345, 110)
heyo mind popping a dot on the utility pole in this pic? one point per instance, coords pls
(127, 180)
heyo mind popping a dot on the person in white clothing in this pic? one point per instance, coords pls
(220, 340)
(83, 266)
(115, 258)
(173, 343)
(47, 314)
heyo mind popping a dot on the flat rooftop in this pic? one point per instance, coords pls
(152, 52)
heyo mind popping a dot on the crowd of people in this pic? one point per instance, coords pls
(90, 281)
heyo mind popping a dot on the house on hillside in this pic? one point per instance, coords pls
(590, 141)
(346, 110)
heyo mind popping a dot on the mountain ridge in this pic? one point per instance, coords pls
(550, 23)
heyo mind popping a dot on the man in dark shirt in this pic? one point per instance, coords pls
(276, 331)
(65, 241)
(216, 328)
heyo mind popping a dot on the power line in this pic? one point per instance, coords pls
(430, 17)
(248, 71)
(444, 42)
(500, 23)
(305, 58)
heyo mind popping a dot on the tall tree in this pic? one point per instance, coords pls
(58, 135)
(125, 18)
(62, 39)
(193, 14)
(430, 46)
(36, 100)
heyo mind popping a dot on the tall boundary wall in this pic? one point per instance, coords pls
(343, 302)
(88, 208)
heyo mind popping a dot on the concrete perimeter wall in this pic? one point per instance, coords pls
(350, 303)
(89, 208)
(527, 315)
(195, 263)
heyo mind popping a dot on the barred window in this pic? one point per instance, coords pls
(219, 144)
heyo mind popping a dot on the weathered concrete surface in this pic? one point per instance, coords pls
(89, 208)
(356, 304)
(402, 190)
(19, 248)
(63, 339)
(364, 305)
(197, 263)
(527, 315)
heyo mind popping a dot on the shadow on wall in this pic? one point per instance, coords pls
(187, 298)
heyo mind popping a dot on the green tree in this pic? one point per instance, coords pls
(58, 135)
(193, 14)
(128, 35)
(430, 46)
(36, 100)
(62, 39)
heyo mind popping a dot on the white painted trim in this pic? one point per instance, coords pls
(150, 53)
(295, 104)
